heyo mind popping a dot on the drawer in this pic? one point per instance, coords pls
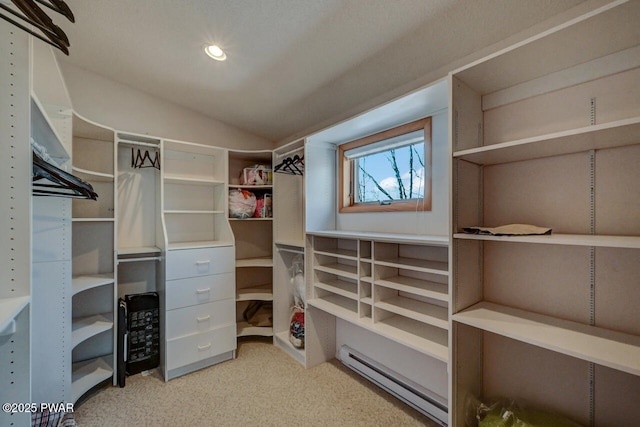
(200, 262)
(199, 318)
(199, 290)
(193, 348)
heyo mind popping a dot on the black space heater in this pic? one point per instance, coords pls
(138, 334)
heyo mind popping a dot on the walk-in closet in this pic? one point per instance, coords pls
(459, 248)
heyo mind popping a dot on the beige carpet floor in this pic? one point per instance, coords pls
(263, 386)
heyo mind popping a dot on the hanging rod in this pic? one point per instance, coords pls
(295, 150)
(142, 144)
(293, 251)
(156, 258)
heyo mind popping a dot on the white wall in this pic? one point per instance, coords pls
(434, 222)
(127, 109)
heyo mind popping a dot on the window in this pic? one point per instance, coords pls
(389, 171)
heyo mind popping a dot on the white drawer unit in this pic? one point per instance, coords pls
(196, 347)
(199, 290)
(199, 318)
(187, 263)
(200, 310)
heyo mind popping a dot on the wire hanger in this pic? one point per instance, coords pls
(138, 159)
(292, 166)
(35, 16)
(61, 183)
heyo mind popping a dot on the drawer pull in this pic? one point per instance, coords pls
(203, 291)
(203, 318)
(204, 347)
(203, 262)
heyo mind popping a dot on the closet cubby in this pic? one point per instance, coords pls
(254, 244)
(138, 190)
(289, 245)
(549, 319)
(194, 196)
(94, 284)
(398, 289)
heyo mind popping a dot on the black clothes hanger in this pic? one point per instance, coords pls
(60, 7)
(33, 15)
(292, 166)
(62, 184)
(138, 160)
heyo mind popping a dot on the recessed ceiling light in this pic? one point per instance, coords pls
(215, 52)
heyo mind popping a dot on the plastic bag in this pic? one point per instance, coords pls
(242, 204)
(296, 271)
(296, 328)
(504, 413)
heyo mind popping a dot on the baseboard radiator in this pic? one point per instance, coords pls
(404, 389)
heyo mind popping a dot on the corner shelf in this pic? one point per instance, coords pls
(10, 308)
(87, 327)
(88, 373)
(261, 293)
(253, 241)
(83, 283)
(244, 329)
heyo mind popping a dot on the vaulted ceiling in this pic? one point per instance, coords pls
(291, 64)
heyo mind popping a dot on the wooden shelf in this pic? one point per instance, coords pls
(83, 283)
(607, 135)
(139, 250)
(344, 270)
(338, 306)
(251, 187)
(339, 287)
(433, 290)
(251, 219)
(93, 220)
(247, 330)
(605, 347)
(192, 212)
(87, 327)
(425, 266)
(413, 334)
(384, 237)
(185, 180)
(255, 262)
(338, 253)
(95, 176)
(282, 338)
(260, 293)
(423, 338)
(10, 308)
(628, 242)
(176, 246)
(89, 373)
(576, 42)
(44, 133)
(416, 310)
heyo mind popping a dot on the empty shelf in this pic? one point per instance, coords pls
(425, 288)
(339, 287)
(417, 310)
(87, 327)
(605, 347)
(258, 293)
(82, 283)
(89, 373)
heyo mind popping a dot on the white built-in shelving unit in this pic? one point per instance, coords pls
(289, 243)
(393, 285)
(198, 284)
(15, 222)
(94, 285)
(51, 244)
(547, 132)
(253, 239)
